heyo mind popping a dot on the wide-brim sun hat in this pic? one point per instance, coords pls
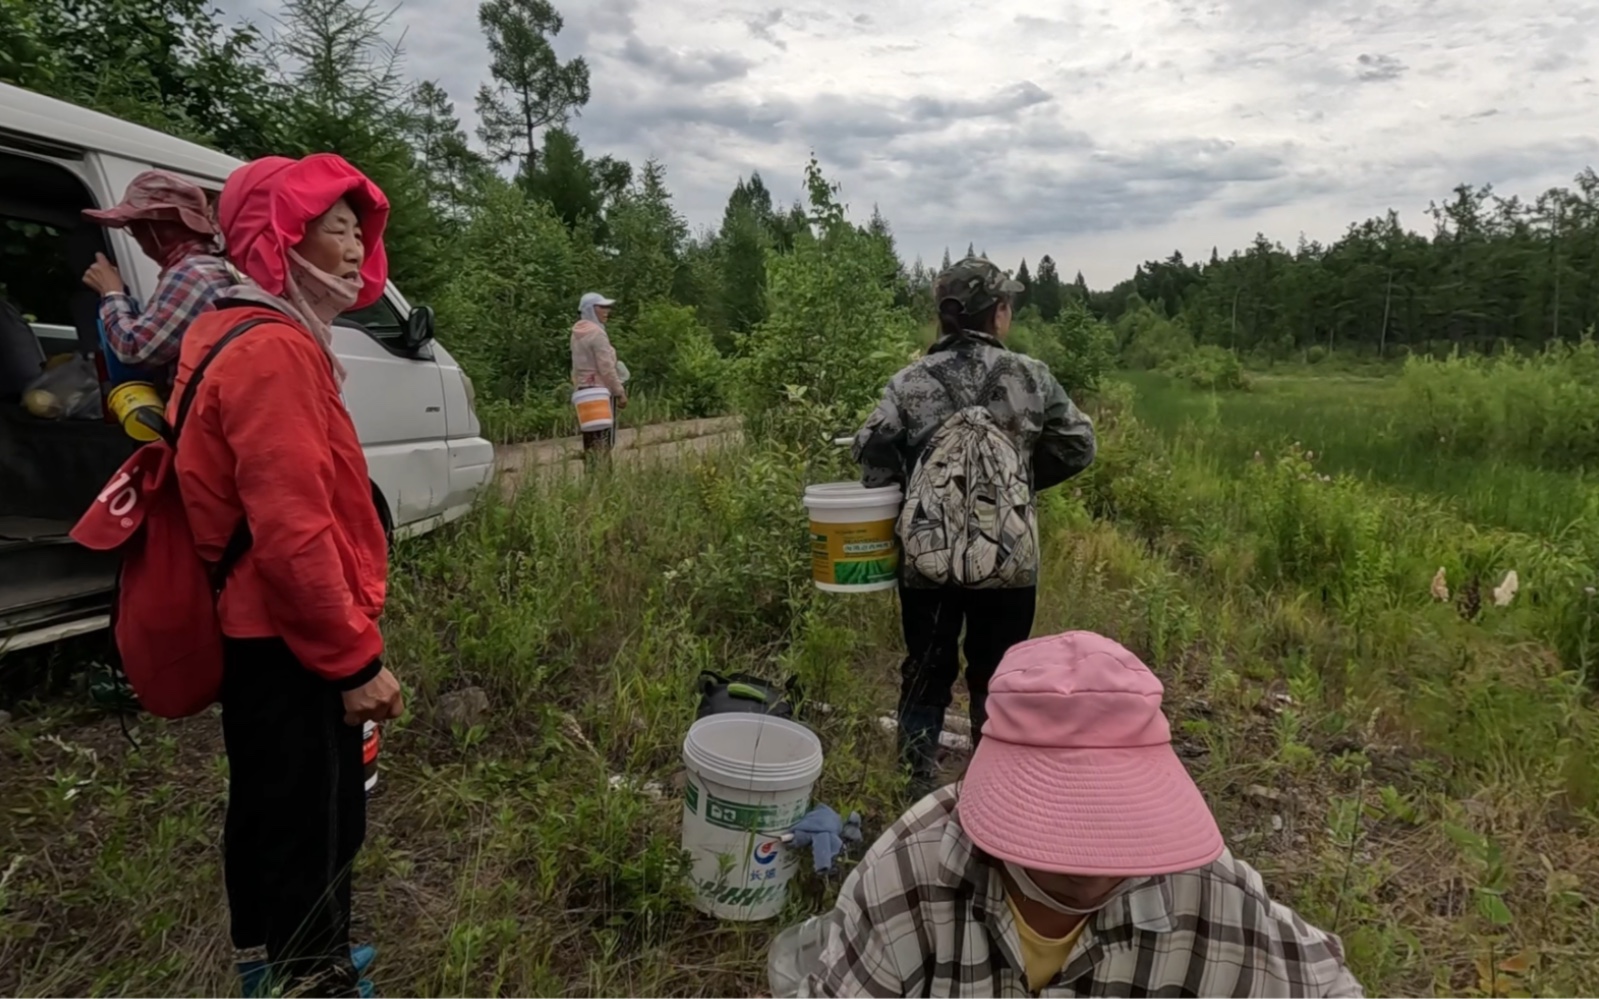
(158, 196)
(1075, 772)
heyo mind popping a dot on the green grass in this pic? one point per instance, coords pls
(1419, 776)
(1358, 425)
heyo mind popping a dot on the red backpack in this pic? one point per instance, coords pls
(165, 616)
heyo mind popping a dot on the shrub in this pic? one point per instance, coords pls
(1541, 409)
(671, 356)
(832, 336)
(1078, 348)
(1211, 368)
(1149, 340)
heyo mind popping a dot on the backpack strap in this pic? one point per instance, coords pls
(241, 539)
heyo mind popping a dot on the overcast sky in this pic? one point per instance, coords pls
(1104, 133)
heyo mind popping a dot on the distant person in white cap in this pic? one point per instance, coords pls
(594, 364)
(1076, 858)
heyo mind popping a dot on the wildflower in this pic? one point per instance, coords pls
(1506, 591)
(1440, 587)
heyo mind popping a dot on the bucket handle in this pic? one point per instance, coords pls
(746, 692)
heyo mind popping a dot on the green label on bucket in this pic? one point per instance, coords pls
(691, 797)
(725, 894)
(744, 817)
(854, 554)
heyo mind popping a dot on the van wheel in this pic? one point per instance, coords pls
(384, 517)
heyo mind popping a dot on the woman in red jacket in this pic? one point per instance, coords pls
(268, 446)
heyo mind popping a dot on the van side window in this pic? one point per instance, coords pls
(46, 245)
(379, 320)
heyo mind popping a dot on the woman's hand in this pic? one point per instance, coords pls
(103, 276)
(621, 401)
(378, 699)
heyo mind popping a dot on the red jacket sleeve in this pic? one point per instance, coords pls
(270, 392)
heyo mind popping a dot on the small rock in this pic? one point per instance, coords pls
(465, 707)
(1276, 823)
(1261, 791)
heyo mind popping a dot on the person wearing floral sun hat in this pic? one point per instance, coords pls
(1077, 857)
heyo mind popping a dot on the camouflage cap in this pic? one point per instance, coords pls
(976, 283)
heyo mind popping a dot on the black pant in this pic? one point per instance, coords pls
(994, 620)
(296, 813)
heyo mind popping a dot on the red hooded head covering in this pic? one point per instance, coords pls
(267, 204)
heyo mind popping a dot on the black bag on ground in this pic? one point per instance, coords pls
(742, 692)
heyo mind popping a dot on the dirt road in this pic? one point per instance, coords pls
(513, 462)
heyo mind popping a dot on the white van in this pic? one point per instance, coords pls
(412, 404)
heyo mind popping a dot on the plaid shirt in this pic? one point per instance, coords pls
(151, 341)
(925, 915)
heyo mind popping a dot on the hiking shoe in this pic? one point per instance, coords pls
(254, 984)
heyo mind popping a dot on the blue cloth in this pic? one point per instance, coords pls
(115, 369)
(826, 833)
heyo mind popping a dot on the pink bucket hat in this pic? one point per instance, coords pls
(159, 196)
(1075, 773)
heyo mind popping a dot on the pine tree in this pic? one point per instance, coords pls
(532, 88)
(1025, 297)
(1048, 295)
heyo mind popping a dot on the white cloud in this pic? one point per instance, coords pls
(1105, 134)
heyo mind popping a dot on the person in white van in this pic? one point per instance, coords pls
(169, 218)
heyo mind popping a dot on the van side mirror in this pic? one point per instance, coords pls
(418, 327)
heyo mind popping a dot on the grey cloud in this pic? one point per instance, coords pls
(688, 68)
(1377, 68)
(834, 120)
(761, 25)
(1015, 97)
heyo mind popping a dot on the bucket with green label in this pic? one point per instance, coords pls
(749, 780)
(853, 545)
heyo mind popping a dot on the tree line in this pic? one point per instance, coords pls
(1493, 271)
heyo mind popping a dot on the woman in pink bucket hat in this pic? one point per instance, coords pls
(1077, 857)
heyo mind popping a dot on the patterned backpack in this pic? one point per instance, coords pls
(968, 518)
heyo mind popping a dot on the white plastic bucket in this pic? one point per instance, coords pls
(749, 780)
(853, 545)
(593, 409)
